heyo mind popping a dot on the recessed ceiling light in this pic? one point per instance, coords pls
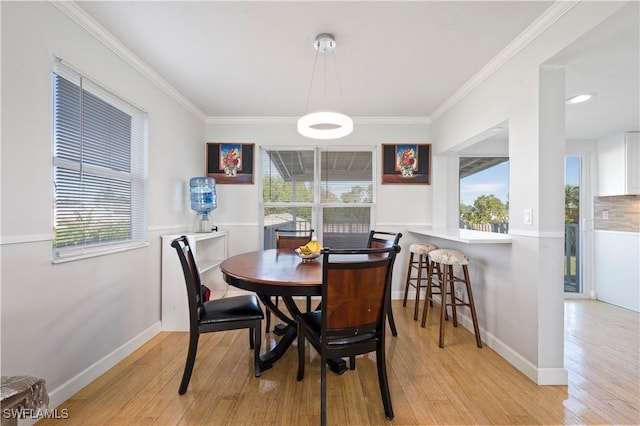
(579, 98)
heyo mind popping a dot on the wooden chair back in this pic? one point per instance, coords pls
(292, 238)
(192, 279)
(355, 287)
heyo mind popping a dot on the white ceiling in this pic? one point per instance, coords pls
(394, 59)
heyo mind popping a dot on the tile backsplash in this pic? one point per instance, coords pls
(623, 213)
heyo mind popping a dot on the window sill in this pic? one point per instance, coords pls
(87, 252)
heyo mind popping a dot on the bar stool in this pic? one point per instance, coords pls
(421, 264)
(447, 259)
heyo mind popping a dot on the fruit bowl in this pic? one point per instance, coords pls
(307, 257)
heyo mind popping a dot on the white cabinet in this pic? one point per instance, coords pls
(617, 276)
(619, 164)
(209, 249)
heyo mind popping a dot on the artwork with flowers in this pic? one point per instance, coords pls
(230, 158)
(230, 162)
(406, 163)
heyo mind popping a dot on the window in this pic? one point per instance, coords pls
(484, 196)
(99, 169)
(329, 190)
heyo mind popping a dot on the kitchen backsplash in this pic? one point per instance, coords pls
(623, 213)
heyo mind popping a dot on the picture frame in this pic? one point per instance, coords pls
(406, 163)
(230, 162)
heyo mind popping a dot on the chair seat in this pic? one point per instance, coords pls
(237, 308)
(312, 322)
(448, 257)
(422, 248)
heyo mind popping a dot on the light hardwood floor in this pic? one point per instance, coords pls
(459, 384)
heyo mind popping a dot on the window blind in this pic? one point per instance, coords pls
(99, 168)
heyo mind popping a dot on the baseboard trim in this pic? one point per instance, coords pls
(553, 376)
(72, 386)
(539, 376)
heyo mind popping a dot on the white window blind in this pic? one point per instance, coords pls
(99, 168)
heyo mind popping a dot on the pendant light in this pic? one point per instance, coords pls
(325, 124)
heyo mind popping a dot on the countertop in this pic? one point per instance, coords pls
(466, 236)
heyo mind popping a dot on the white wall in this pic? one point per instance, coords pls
(399, 207)
(523, 299)
(69, 322)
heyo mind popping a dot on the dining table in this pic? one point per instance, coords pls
(278, 272)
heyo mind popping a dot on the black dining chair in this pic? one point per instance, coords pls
(351, 320)
(290, 239)
(228, 313)
(379, 239)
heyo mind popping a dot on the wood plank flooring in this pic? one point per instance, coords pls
(459, 384)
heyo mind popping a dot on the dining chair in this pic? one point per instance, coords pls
(228, 313)
(290, 239)
(379, 239)
(351, 320)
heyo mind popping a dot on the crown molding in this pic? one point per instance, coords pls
(79, 16)
(544, 21)
(550, 16)
(293, 120)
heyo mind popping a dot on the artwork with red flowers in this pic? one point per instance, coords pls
(230, 162)
(406, 163)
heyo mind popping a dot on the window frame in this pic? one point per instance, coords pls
(459, 180)
(136, 176)
(317, 205)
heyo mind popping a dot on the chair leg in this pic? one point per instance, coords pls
(256, 348)
(308, 303)
(472, 306)
(443, 303)
(251, 338)
(191, 359)
(323, 391)
(452, 295)
(300, 355)
(406, 285)
(352, 362)
(392, 322)
(384, 382)
(429, 294)
(267, 327)
(418, 284)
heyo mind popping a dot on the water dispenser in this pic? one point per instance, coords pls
(203, 201)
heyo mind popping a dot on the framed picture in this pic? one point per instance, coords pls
(406, 163)
(230, 162)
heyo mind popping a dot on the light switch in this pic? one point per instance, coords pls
(528, 217)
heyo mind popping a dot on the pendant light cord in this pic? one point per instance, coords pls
(335, 66)
(313, 73)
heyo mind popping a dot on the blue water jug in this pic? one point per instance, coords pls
(203, 194)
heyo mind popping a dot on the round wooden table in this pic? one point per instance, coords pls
(275, 273)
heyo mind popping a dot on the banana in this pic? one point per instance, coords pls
(312, 246)
(305, 250)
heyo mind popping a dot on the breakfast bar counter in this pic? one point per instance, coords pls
(466, 236)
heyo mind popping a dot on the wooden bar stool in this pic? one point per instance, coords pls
(420, 263)
(448, 259)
